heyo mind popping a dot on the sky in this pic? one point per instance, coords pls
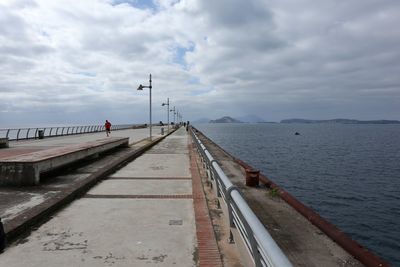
(81, 62)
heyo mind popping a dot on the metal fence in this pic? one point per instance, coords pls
(260, 245)
(33, 133)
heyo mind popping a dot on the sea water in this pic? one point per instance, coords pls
(348, 173)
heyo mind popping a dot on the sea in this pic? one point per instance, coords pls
(348, 173)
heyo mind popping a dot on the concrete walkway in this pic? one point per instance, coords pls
(33, 145)
(142, 215)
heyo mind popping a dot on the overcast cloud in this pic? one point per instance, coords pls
(64, 63)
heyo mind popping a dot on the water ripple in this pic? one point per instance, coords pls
(350, 174)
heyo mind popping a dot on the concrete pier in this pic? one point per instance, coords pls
(149, 204)
(144, 214)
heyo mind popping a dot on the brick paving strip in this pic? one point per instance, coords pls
(209, 254)
(149, 178)
(188, 196)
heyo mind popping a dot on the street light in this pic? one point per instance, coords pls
(167, 104)
(174, 113)
(141, 88)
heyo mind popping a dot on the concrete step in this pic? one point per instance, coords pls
(25, 169)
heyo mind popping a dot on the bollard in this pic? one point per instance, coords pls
(162, 131)
(252, 177)
(2, 237)
(41, 134)
(4, 142)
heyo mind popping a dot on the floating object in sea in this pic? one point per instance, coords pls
(296, 133)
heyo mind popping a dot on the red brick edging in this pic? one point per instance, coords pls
(186, 196)
(209, 255)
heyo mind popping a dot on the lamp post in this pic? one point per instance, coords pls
(141, 88)
(174, 113)
(167, 104)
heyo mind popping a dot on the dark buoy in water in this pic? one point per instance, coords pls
(296, 133)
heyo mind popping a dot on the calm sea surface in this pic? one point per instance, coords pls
(349, 174)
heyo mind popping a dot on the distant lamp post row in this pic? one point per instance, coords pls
(173, 110)
(167, 104)
(177, 115)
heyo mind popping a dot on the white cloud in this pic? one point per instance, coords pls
(277, 59)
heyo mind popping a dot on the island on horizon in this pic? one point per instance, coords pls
(228, 119)
(342, 121)
(225, 119)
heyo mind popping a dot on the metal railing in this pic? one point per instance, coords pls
(261, 247)
(33, 133)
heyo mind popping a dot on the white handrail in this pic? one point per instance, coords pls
(261, 246)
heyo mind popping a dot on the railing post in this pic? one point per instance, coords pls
(36, 133)
(18, 133)
(8, 131)
(229, 204)
(27, 133)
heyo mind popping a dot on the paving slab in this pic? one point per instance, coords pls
(157, 165)
(174, 144)
(112, 232)
(143, 187)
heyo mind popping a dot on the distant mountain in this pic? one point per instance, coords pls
(251, 119)
(342, 121)
(225, 119)
(201, 120)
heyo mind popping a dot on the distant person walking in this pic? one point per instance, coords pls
(107, 125)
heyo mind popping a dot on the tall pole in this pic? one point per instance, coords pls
(141, 88)
(150, 108)
(174, 113)
(168, 111)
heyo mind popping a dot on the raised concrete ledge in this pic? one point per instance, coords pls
(24, 170)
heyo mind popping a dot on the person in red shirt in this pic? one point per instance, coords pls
(107, 125)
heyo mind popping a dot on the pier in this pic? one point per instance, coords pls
(158, 202)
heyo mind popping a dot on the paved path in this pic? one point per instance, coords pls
(143, 215)
(32, 145)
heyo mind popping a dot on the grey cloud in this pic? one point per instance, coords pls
(11, 25)
(277, 58)
(235, 13)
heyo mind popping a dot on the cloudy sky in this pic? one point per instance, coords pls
(80, 63)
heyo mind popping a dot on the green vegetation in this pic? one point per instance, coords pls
(274, 192)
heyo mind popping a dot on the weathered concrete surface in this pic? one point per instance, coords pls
(157, 165)
(105, 231)
(21, 207)
(25, 169)
(303, 243)
(143, 187)
(111, 232)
